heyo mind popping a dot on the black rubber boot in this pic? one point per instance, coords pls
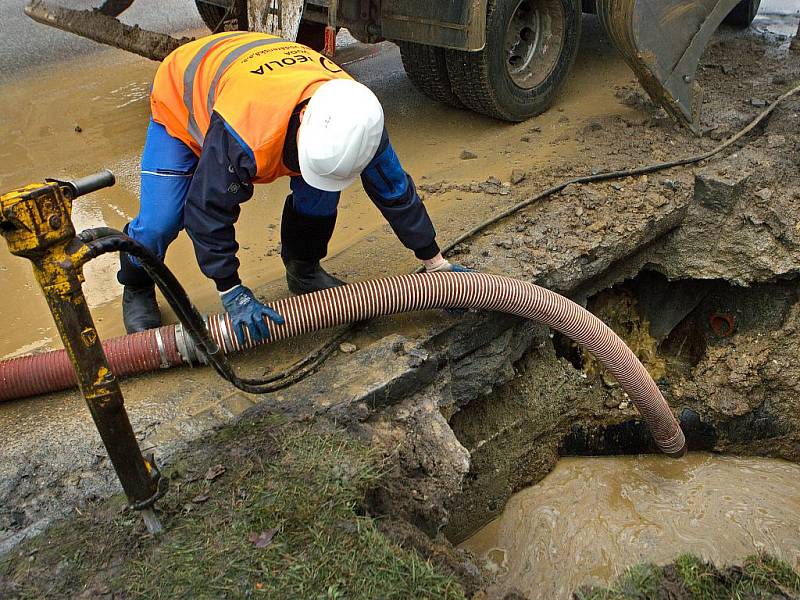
(304, 276)
(304, 242)
(139, 309)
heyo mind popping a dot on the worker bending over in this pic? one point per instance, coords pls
(234, 109)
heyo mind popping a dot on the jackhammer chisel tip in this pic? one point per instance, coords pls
(151, 521)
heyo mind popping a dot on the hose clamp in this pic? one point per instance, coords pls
(162, 351)
(197, 351)
(187, 348)
(185, 345)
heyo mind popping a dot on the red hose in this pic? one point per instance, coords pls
(46, 372)
(37, 374)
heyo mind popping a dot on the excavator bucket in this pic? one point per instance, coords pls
(663, 41)
(278, 17)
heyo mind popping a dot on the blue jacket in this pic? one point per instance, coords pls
(222, 181)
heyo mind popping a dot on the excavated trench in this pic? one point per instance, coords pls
(547, 411)
(707, 296)
(725, 357)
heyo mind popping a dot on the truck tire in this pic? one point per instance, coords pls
(114, 8)
(426, 67)
(743, 14)
(210, 13)
(530, 48)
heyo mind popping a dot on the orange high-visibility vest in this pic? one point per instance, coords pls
(252, 80)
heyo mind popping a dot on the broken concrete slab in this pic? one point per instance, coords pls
(718, 187)
(379, 375)
(730, 231)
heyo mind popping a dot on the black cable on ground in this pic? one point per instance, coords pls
(621, 174)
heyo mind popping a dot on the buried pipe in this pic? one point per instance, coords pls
(171, 345)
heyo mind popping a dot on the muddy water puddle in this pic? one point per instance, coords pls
(592, 518)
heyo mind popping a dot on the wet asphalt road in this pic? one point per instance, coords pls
(27, 44)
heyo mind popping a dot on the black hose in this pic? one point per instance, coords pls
(102, 240)
(621, 173)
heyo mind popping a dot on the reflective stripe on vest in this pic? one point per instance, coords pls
(188, 77)
(188, 84)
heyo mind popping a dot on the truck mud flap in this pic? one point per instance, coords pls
(663, 41)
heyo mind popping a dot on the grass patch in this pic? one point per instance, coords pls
(701, 579)
(639, 582)
(764, 576)
(282, 521)
(761, 577)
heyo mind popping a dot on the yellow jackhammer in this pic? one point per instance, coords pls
(35, 221)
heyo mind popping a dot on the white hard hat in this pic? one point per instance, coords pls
(339, 134)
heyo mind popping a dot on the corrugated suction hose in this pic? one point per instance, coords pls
(170, 346)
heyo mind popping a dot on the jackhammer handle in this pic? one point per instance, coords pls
(91, 183)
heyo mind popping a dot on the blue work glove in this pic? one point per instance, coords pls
(246, 311)
(446, 266)
(460, 269)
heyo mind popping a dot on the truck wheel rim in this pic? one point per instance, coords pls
(533, 42)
